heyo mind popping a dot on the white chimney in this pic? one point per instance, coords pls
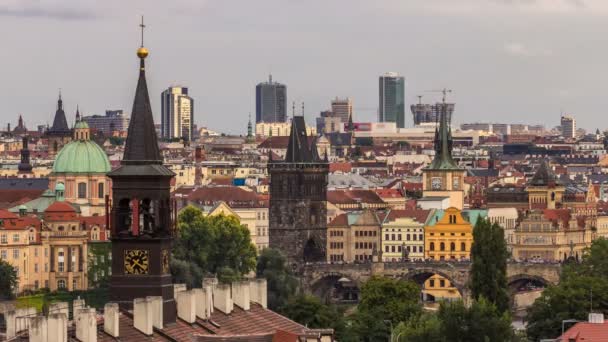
(77, 304)
(240, 294)
(200, 296)
(155, 304)
(110, 319)
(57, 324)
(142, 316)
(177, 288)
(222, 298)
(596, 318)
(186, 306)
(38, 329)
(86, 325)
(60, 307)
(258, 292)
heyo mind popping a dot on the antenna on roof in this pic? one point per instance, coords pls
(293, 109)
(302, 108)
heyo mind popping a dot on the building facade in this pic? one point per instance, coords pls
(177, 114)
(403, 235)
(423, 113)
(568, 126)
(392, 99)
(114, 122)
(298, 199)
(353, 237)
(343, 109)
(270, 102)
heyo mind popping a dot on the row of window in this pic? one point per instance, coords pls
(82, 190)
(442, 283)
(362, 257)
(398, 249)
(443, 234)
(408, 237)
(365, 245)
(336, 257)
(336, 233)
(336, 245)
(365, 233)
(463, 246)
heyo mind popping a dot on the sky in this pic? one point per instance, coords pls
(505, 60)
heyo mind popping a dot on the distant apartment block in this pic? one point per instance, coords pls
(429, 113)
(568, 126)
(112, 121)
(270, 102)
(392, 99)
(342, 108)
(177, 114)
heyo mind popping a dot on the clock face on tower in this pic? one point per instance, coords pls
(136, 261)
(165, 261)
(436, 183)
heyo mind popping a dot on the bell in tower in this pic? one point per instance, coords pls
(141, 215)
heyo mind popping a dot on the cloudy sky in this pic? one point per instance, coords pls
(506, 60)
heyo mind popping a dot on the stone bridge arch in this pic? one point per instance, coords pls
(324, 286)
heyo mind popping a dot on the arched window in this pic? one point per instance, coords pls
(442, 246)
(100, 190)
(463, 246)
(452, 246)
(82, 190)
(60, 284)
(432, 246)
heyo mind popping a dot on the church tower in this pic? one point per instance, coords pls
(141, 215)
(298, 199)
(443, 178)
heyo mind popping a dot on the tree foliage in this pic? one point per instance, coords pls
(482, 322)
(216, 244)
(282, 285)
(489, 264)
(309, 311)
(8, 280)
(572, 298)
(424, 328)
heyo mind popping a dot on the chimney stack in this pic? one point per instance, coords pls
(38, 331)
(222, 298)
(110, 319)
(86, 325)
(240, 294)
(202, 298)
(156, 306)
(57, 324)
(142, 316)
(186, 306)
(258, 291)
(596, 318)
(178, 288)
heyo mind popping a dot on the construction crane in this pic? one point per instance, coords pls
(443, 91)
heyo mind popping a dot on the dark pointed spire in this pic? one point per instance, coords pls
(141, 146)
(298, 150)
(60, 123)
(77, 113)
(25, 166)
(443, 143)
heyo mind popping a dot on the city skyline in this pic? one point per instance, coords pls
(534, 77)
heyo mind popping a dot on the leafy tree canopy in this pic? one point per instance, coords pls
(211, 244)
(8, 280)
(282, 285)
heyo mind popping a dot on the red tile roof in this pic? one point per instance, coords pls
(587, 332)
(339, 221)
(418, 215)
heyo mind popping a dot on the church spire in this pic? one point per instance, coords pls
(142, 146)
(443, 142)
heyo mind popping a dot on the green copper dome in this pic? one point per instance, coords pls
(81, 124)
(82, 156)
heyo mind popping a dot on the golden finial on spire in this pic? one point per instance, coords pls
(142, 52)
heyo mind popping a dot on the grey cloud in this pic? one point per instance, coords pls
(42, 12)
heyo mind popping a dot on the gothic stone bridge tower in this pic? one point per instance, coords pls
(298, 199)
(142, 223)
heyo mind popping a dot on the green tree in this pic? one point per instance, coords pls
(424, 328)
(390, 299)
(216, 244)
(309, 311)
(282, 285)
(571, 298)
(482, 322)
(489, 264)
(8, 280)
(99, 263)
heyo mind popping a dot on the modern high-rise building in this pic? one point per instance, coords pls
(430, 113)
(113, 121)
(568, 126)
(177, 114)
(392, 99)
(270, 102)
(342, 108)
